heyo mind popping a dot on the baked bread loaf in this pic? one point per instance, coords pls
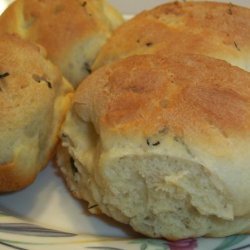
(34, 99)
(72, 31)
(162, 144)
(219, 30)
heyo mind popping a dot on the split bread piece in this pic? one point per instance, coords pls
(162, 144)
(219, 30)
(34, 99)
(72, 31)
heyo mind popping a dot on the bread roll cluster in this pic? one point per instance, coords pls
(158, 135)
(71, 31)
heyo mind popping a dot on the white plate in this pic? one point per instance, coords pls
(66, 223)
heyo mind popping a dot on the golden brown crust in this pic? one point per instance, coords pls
(219, 30)
(177, 129)
(183, 93)
(34, 99)
(11, 179)
(61, 26)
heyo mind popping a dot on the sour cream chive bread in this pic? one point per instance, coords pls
(72, 31)
(162, 144)
(219, 30)
(34, 99)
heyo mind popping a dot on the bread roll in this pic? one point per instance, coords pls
(72, 31)
(162, 144)
(33, 101)
(219, 30)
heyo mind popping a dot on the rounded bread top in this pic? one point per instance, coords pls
(65, 28)
(182, 91)
(30, 88)
(200, 103)
(218, 30)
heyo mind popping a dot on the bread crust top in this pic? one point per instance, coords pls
(42, 22)
(146, 93)
(219, 30)
(28, 81)
(65, 28)
(200, 103)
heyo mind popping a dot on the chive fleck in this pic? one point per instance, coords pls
(73, 166)
(149, 143)
(93, 206)
(87, 67)
(156, 143)
(149, 44)
(39, 79)
(64, 135)
(229, 11)
(49, 84)
(236, 46)
(3, 75)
